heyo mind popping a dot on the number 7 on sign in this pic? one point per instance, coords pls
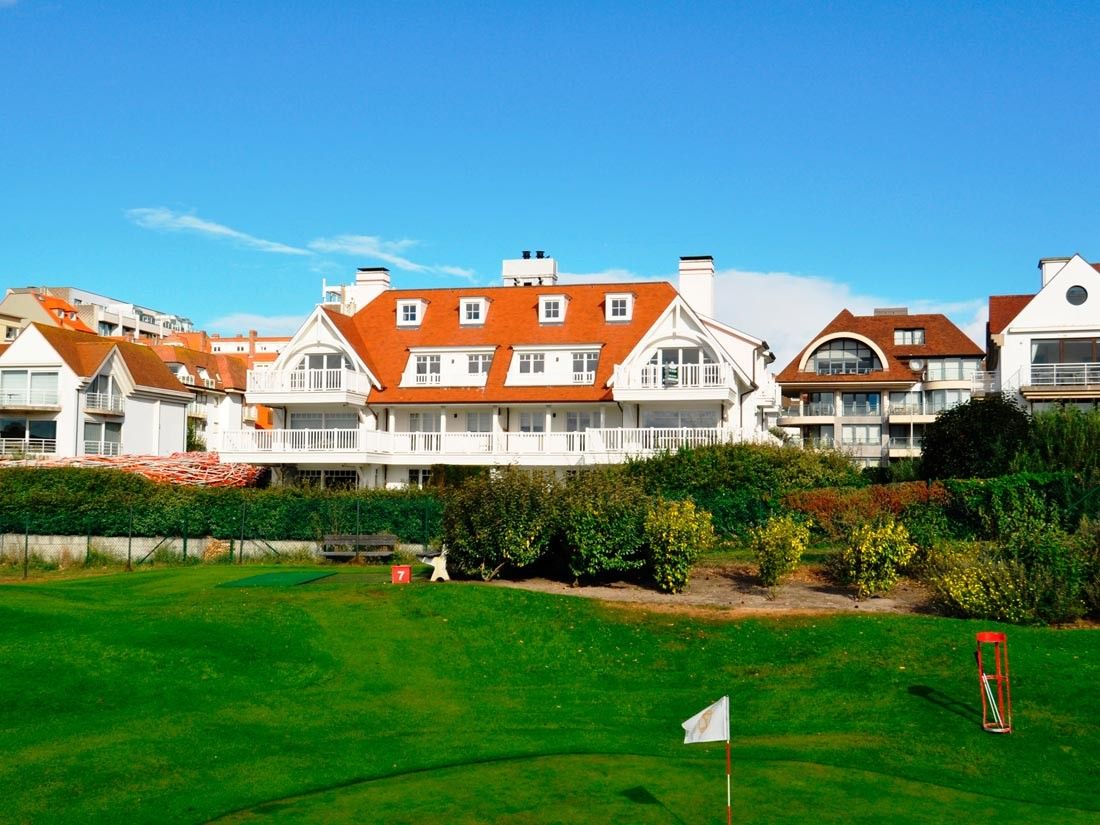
(400, 574)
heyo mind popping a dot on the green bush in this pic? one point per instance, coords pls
(979, 439)
(874, 557)
(778, 547)
(835, 512)
(498, 521)
(603, 523)
(975, 583)
(676, 533)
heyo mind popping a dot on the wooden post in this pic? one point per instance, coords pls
(26, 543)
(130, 542)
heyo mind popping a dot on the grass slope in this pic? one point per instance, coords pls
(159, 697)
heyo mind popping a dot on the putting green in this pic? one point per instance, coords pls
(281, 579)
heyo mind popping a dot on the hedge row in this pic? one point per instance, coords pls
(112, 503)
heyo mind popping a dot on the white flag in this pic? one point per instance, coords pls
(710, 724)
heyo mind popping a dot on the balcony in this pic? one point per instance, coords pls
(422, 379)
(806, 409)
(985, 383)
(1081, 380)
(857, 408)
(556, 448)
(27, 399)
(905, 447)
(19, 447)
(195, 410)
(279, 387)
(688, 381)
(248, 412)
(584, 377)
(105, 403)
(102, 448)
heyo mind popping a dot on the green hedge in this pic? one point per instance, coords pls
(102, 502)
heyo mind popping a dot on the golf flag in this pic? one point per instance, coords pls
(711, 724)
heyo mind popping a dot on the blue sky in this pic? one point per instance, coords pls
(219, 159)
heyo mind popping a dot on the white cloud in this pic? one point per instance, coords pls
(606, 276)
(391, 252)
(241, 322)
(6, 3)
(166, 220)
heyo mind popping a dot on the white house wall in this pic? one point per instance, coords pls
(31, 351)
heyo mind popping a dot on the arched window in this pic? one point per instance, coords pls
(844, 356)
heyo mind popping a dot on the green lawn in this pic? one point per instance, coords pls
(159, 697)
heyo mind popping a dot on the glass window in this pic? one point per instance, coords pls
(578, 422)
(908, 336)
(844, 356)
(427, 369)
(479, 422)
(551, 310)
(532, 362)
(13, 427)
(1076, 295)
(471, 312)
(859, 403)
(861, 434)
(418, 477)
(585, 362)
(408, 313)
(1074, 351)
(532, 422)
(479, 363)
(679, 419)
(618, 308)
(1045, 352)
(43, 429)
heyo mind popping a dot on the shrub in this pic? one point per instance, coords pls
(978, 439)
(981, 585)
(603, 523)
(676, 532)
(778, 547)
(838, 511)
(874, 557)
(497, 521)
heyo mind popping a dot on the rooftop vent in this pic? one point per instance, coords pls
(527, 254)
(891, 311)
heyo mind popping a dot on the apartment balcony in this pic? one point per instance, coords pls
(985, 383)
(905, 447)
(686, 381)
(104, 404)
(820, 443)
(281, 387)
(195, 410)
(548, 449)
(808, 412)
(860, 409)
(1080, 380)
(248, 412)
(27, 447)
(913, 413)
(862, 447)
(102, 448)
(27, 399)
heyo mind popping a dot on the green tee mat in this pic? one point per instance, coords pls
(288, 579)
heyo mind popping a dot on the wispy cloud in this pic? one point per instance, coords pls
(391, 252)
(606, 276)
(241, 322)
(7, 3)
(165, 220)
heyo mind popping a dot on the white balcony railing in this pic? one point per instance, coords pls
(985, 383)
(426, 378)
(248, 412)
(907, 408)
(104, 402)
(899, 442)
(196, 410)
(809, 408)
(187, 379)
(1065, 375)
(28, 398)
(859, 408)
(584, 377)
(684, 376)
(27, 446)
(101, 448)
(625, 441)
(305, 381)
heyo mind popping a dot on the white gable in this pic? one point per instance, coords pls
(1051, 309)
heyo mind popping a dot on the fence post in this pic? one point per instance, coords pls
(88, 547)
(424, 534)
(185, 536)
(130, 542)
(240, 550)
(26, 542)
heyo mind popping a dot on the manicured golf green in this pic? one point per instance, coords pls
(288, 578)
(159, 697)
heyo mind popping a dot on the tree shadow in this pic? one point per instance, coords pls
(641, 796)
(948, 703)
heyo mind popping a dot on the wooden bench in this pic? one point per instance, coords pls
(348, 546)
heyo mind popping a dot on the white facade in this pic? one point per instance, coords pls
(1049, 353)
(48, 408)
(112, 317)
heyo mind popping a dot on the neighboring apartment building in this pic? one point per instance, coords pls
(1044, 347)
(20, 308)
(69, 393)
(869, 384)
(217, 384)
(534, 373)
(112, 317)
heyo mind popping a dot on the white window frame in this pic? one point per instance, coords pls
(427, 368)
(479, 363)
(913, 336)
(532, 363)
(552, 309)
(410, 313)
(532, 422)
(478, 307)
(623, 301)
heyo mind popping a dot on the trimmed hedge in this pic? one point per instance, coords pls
(76, 501)
(836, 512)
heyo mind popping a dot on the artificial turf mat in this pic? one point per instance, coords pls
(287, 579)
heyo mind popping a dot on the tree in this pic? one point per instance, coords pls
(978, 439)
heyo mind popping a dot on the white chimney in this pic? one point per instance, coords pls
(530, 271)
(697, 283)
(370, 282)
(1049, 267)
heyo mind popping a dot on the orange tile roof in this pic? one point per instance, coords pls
(1003, 309)
(3, 347)
(60, 310)
(85, 352)
(511, 321)
(942, 340)
(228, 371)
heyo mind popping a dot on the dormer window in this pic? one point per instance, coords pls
(551, 309)
(844, 356)
(908, 336)
(532, 362)
(472, 311)
(619, 306)
(410, 313)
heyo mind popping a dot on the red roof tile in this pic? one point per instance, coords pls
(228, 371)
(1003, 309)
(84, 352)
(511, 321)
(60, 311)
(942, 340)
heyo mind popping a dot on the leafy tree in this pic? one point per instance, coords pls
(978, 439)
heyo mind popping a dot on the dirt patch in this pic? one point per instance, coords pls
(732, 588)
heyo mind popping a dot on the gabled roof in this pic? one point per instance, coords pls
(60, 311)
(3, 347)
(85, 353)
(228, 371)
(942, 339)
(1003, 308)
(511, 321)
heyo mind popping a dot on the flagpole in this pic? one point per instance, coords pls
(729, 809)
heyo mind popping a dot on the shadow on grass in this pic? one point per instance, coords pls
(641, 796)
(948, 703)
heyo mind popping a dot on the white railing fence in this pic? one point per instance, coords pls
(308, 381)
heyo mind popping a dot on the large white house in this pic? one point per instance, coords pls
(1044, 348)
(69, 393)
(381, 384)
